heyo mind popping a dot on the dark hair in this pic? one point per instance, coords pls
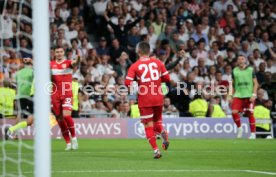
(58, 47)
(144, 48)
(74, 40)
(144, 37)
(218, 72)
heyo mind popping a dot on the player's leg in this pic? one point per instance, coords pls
(56, 109)
(9, 131)
(237, 106)
(27, 107)
(147, 120)
(249, 106)
(66, 113)
(158, 126)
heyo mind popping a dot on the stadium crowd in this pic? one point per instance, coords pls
(106, 32)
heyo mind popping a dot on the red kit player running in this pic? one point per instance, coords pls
(245, 88)
(150, 73)
(61, 76)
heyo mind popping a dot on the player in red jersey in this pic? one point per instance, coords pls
(61, 76)
(150, 72)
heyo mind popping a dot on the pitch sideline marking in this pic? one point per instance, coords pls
(131, 152)
(144, 171)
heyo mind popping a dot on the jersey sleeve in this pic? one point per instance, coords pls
(165, 77)
(130, 75)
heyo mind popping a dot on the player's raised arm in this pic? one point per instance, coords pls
(165, 77)
(77, 61)
(130, 76)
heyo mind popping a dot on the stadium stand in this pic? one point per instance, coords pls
(106, 32)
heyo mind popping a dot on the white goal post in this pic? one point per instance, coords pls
(41, 47)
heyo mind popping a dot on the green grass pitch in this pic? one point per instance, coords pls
(134, 158)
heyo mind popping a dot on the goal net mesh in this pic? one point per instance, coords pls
(16, 43)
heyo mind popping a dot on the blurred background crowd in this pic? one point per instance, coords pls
(106, 32)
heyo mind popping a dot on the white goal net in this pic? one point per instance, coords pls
(18, 36)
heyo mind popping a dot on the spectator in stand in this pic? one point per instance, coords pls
(183, 35)
(121, 29)
(123, 65)
(257, 60)
(142, 29)
(227, 76)
(214, 109)
(245, 50)
(201, 52)
(268, 85)
(211, 77)
(102, 49)
(159, 25)
(262, 97)
(168, 108)
(270, 67)
(193, 60)
(261, 73)
(85, 47)
(152, 38)
(99, 110)
(202, 67)
(116, 51)
(215, 49)
(220, 63)
(124, 110)
(252, 42)
(110, 109)
(133, 38)
(264, 43)
(175, 41)
(185, 70)
(166, 35)
(197, 35)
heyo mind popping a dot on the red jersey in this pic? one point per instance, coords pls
(61, 76)
(149, 73)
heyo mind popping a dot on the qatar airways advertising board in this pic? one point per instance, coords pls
(132, 128)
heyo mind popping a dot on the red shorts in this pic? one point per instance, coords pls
(61, 103)
(242, 105)
(148, 114)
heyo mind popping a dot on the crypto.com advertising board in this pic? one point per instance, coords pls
(132, 128)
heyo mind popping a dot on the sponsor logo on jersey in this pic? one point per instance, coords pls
(63, 65)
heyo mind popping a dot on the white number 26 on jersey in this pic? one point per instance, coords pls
(152, 68)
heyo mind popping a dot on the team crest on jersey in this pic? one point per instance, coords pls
(63, 65)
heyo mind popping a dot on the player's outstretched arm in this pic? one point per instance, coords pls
(165, 77)
(77, 61)
(180, 56)
(130, 77)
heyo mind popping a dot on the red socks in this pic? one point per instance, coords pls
(151, 137)
(71, 125)
(64, 130)
(67, 125)
(237, 119)
(252, 123)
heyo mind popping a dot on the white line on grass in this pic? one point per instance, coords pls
(261, 172)
(160, 171)
(135, 152)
